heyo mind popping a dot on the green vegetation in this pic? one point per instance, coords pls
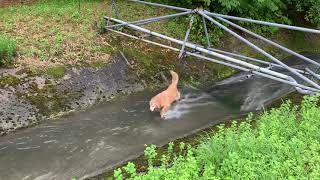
(270, 10)
(56, 72)
(49, 100)
(7, 49)
(54, 33)
(284, 144)
(310, 9)
(9, 80)
(280, 11)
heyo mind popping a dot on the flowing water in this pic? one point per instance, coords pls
(86, 143)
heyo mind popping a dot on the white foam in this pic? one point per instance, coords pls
(186, 104)
(47, 176)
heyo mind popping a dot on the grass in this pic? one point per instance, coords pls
(7, 49)
(55, 33)
(283, 144)
(56, 72)
(52, 34)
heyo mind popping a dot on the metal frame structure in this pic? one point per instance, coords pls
(237, 61)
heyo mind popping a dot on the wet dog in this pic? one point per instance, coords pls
(163, 100)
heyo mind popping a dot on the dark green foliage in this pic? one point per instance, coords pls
(267, 10)
(271, 10)
(309, 8)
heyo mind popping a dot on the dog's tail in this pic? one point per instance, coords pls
(175, 77)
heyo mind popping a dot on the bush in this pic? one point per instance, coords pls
(284, 145)
(269, 10)
(7, 49)
(309, 8)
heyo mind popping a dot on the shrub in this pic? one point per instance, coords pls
(309, 8)
(284, 145)
(267, 10)
(7, 49)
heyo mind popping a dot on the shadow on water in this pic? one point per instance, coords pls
(89, 142)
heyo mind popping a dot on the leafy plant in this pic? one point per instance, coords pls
(269, 10)
(309, 8)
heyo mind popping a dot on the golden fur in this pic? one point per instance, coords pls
(164, 99)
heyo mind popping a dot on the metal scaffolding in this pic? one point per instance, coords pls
(306, 85)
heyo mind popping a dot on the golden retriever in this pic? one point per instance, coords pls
(164, 99)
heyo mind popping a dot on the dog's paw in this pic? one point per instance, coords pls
(162, 115)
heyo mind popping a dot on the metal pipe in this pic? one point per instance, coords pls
(144, 21)
(218, 62)
(110, 14)
(260, 50)
(193, 46)
(161, 5)
(264, 23)
(186, 37)
(253, 59)
(300, 90)
(313, 73)
(206, 31)
(270, 42)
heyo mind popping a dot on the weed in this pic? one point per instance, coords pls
(7, 49)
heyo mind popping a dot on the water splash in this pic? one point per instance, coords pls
(186, 104)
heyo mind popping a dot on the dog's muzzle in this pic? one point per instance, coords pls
(154, 109)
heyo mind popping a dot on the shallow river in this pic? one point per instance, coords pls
(86, 143)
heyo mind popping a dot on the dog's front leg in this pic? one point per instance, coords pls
(164, 110)
(178, 96)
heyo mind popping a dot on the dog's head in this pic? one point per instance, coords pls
(154, 105)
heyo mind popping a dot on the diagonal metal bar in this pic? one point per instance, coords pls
(113, 7)
(161, 5)
(110, 12)
(253, 59)
(186, 37)
(203, 50)
(313, 73)
(150, 20)
(295, 84)
(270, 42)
(206, 31)
(116, 9)
(260, 50)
